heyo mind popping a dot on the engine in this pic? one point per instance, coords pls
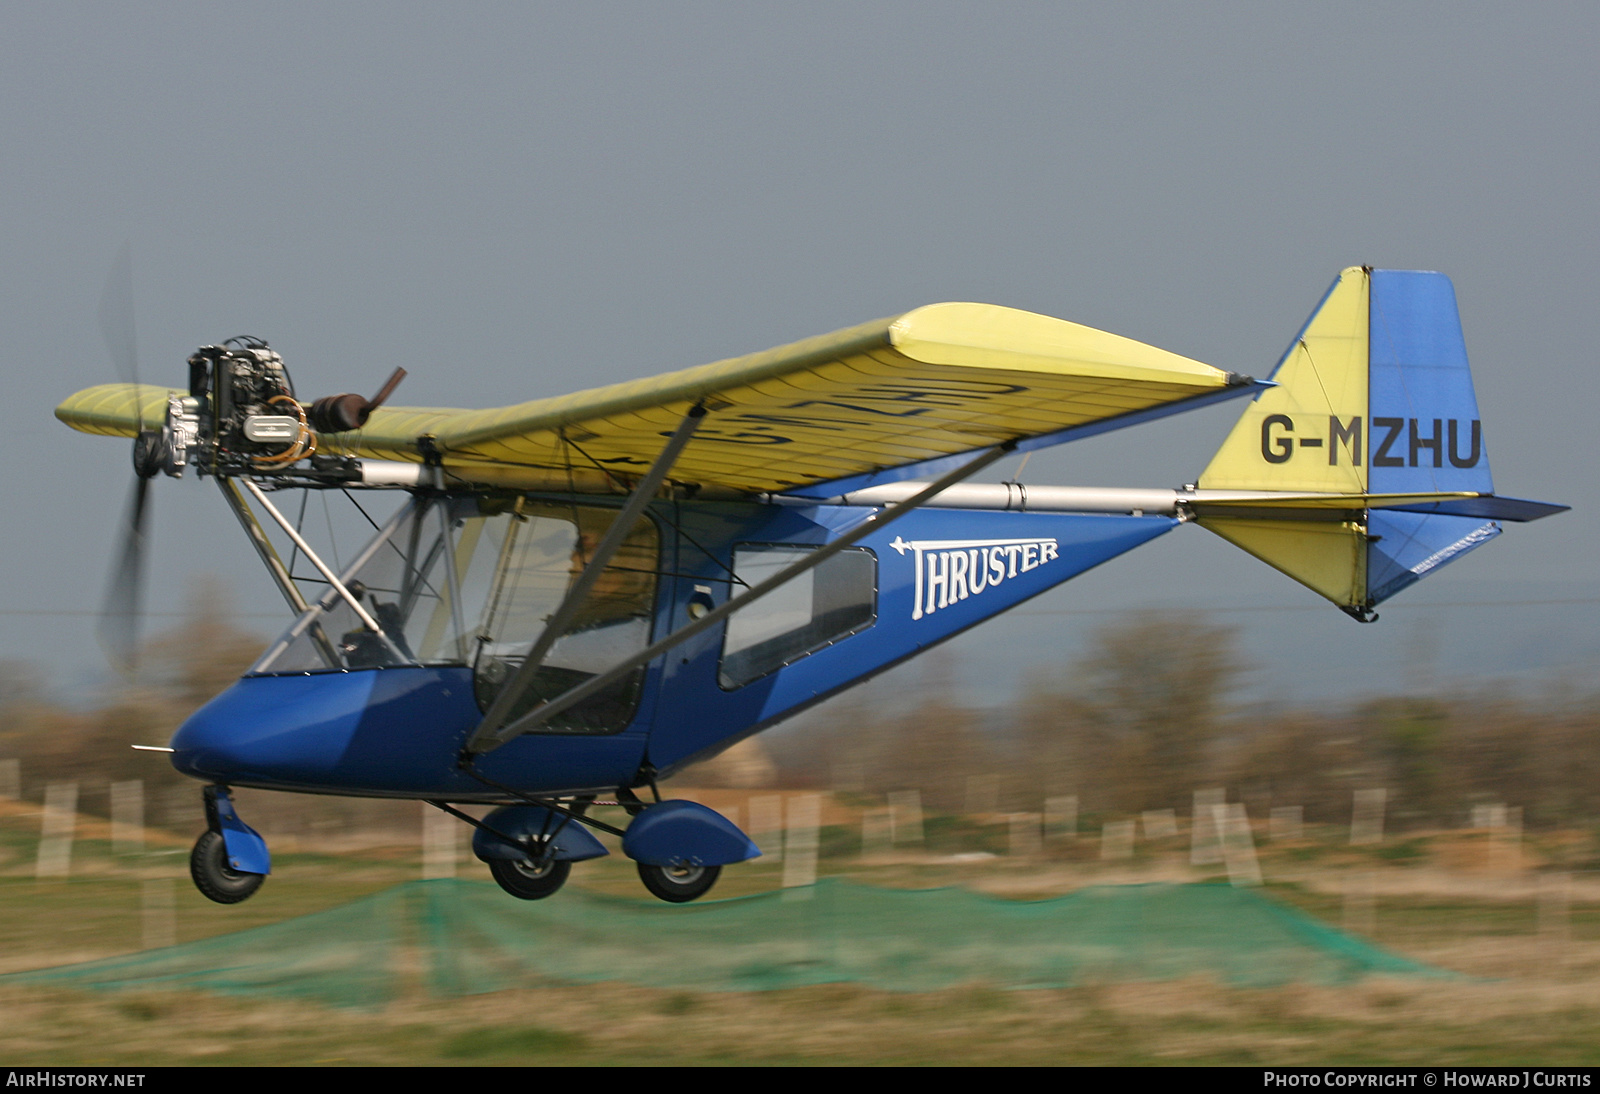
(241, 417)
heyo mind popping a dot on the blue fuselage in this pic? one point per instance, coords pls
(398, 731)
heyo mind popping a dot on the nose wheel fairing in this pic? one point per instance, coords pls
(394, 732)
(246, 850)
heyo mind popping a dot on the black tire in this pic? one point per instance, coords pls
(527, 880)
(679, 884)
(216, 880)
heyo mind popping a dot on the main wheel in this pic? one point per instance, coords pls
(679, 884)
(216, 880)
(526, 879)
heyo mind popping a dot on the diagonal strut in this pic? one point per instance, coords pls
(493, 721)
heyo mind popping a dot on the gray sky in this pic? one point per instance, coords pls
(520, 200)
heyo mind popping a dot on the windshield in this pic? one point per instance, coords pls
(399, 584)
(471, 580)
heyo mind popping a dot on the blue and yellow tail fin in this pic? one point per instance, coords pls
(1365, 467)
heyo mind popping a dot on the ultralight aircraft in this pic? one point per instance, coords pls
(582, 595)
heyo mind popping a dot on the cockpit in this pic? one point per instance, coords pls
(471, 580)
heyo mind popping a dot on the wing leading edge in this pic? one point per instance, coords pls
(891, 394)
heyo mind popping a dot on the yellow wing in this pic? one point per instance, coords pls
(940, 380)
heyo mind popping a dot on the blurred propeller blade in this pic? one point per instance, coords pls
(118, 629)
(116, 319)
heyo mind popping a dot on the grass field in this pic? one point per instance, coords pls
(1530, 993)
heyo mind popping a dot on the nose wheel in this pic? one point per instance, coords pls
(216, 880)
(527, 879)
(679, 884)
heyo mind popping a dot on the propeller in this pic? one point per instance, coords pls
(341, 413)
(118, 629)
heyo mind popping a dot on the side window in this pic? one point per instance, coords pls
(816, 609)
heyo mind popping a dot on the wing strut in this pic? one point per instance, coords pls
(488, 740)
(489, 729)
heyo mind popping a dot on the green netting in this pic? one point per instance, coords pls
(896, 940)
(474, 938)
(345, 957)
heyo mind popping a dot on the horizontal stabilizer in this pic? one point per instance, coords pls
(1289, 506)
(1295, 506)
(1489, 507)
